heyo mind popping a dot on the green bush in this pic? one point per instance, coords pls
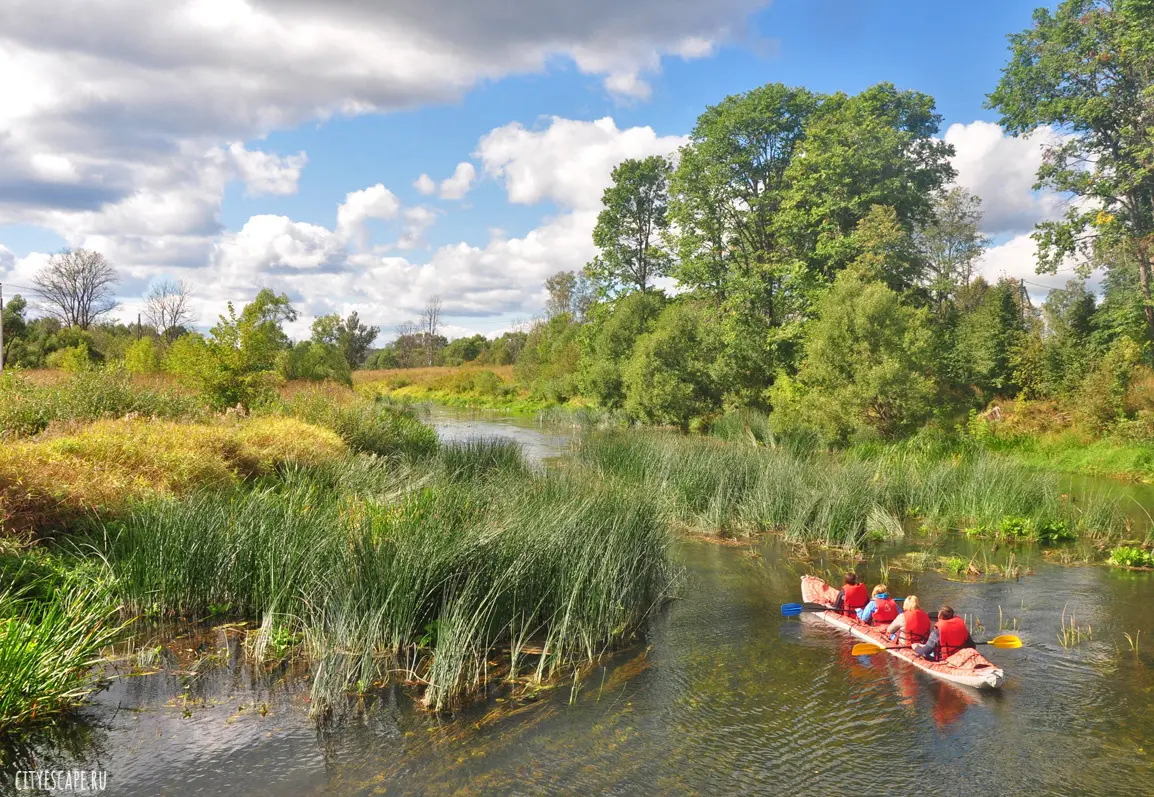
(72, 359)
(142, 357)
(370, 426)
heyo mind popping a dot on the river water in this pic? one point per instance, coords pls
(722, 696)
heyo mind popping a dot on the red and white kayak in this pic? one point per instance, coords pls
(966, 667)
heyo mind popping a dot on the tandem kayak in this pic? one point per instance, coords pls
(966, 667)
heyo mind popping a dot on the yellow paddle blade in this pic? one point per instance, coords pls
(866, 649)
(1006, 641)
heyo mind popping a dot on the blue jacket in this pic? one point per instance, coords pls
(868, 612)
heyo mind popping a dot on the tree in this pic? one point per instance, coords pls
(1087, 69)
(76, 287)
(728, 187)
(15, 328)
(350, 336)
(951, 243)
(166, 308)
(630, 227)
(865, 368)
(430, 326)
(876, 148)
(315, 361)
(667, 380)
(992, 337)
(569, 292)
(608, 341)
(142, 357)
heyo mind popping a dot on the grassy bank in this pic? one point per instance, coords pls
(336, 523)
(491, 387)
(842, 499)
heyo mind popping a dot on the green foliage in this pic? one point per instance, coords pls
(1130, 556)
(236, 364)
(950, 243)
(142, 357)
(608, 341)
(992, 337)
(1103, 393)
(315, 362)
(352, 338)
(27, 408)
(548, 361)
(630, 227)
(667, 378)
(373, 427)
(372, 571)
(1085, 68)
(72, 359)
(865, 367)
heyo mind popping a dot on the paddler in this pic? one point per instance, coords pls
(852, 597)
(881, 610)
(948, 637)
(913, 624)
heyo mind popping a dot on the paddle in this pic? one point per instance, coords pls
(1008, 641)
(794, 609)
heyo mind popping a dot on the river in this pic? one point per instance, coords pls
(722, 696)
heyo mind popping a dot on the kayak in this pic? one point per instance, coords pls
(967, 667)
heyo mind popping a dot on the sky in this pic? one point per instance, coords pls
(368, 154)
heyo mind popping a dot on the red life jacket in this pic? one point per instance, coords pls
(856, 597)
(917, 626)
(885, 610)
(952, 635)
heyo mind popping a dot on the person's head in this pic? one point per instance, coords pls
(851, 578)
(946, 613)
(880, 589)
(911, 603)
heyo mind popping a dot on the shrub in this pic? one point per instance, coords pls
(142, 357)
(73, 359)
(372, 426)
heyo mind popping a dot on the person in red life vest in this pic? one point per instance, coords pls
(851, 597)
(913, 624)
(881, 610)
(948, 637)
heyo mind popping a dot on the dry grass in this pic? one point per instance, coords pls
(104, 466)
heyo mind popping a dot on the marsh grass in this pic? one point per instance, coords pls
(368, 425)
(399, 574)
(48, 649)
(1070, 633)
(841, 499)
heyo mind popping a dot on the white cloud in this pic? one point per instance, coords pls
(458, 185)
(266, 173)
(569, 162)
(374, 202)
(270, 245)
(1001, 170)
(1018, 259)
(425, 185)
(417, 220)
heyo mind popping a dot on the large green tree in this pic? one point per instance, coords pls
(1087, 69)
(865, 368)
(352, 337)
(630, 228)
(951, 243)
(875, 148)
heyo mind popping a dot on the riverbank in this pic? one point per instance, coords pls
(338, 526)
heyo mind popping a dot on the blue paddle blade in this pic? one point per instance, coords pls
(791, 609)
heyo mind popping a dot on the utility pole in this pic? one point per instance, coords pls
(1, 327)
(138, 326)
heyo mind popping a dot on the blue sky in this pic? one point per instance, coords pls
(194, 136)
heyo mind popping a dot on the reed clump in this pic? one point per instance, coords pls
(370, 425)
(841, 499)
(417, 572)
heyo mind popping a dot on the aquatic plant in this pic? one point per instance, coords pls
(48, 649)
(1130, 556)
(369, 425)
(844, 499)
(1071, 634)
(1132, 641)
